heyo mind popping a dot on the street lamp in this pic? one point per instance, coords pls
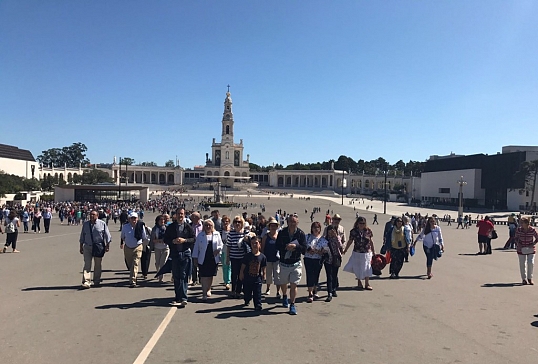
(462, 183)
(385, 197)
(342, 186)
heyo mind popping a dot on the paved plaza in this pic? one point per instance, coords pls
(474, 310)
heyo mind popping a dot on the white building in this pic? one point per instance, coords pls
(491, 181)
(19, 162)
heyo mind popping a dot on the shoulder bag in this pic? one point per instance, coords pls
(98, 249)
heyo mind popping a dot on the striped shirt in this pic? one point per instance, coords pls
(526, 238)
(236, 250)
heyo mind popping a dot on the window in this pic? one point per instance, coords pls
(227, 129)
(444, 190)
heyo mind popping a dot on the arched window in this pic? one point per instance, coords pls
(227, 129)
(227, 155)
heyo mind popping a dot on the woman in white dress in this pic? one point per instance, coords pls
(363, 249)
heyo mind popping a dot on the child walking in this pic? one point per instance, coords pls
(252, 273)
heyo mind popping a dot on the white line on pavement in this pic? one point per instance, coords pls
(141, 359)
(47, 237)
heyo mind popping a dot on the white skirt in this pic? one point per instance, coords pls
(359, 264)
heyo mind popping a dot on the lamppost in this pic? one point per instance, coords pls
(462, 183)
(385, 196)
(119, 180)
(342, 186)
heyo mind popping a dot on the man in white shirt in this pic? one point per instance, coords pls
(132, 237)
(93, 231)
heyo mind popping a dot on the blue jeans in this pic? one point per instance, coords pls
(429, 255)
(181, 269)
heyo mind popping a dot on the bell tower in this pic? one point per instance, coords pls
(228, 120)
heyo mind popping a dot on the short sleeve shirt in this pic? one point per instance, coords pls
(361, 240)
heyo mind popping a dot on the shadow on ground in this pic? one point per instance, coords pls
(150, 302)
(501, 285)
(241, 311)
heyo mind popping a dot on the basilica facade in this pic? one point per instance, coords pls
(226, 164)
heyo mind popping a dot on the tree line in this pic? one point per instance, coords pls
(345, 163)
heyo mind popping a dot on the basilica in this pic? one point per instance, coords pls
(226, 164)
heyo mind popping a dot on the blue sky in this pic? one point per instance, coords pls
(310, 80)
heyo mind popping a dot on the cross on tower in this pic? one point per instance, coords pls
(228, 87)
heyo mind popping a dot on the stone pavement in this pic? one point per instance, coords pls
(474, 310)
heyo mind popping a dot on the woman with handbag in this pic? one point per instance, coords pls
(432, 241)
(363, 249)
(312, 259)
(399, 246)
(206, 256)
(333, 262)
(526, 239)
(157, 244)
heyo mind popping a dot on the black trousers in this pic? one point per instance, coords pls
(253, 290)
(144, 260)
(313, 269)
(11, 239)
(332, 277)
(237, 285)
(46, 224)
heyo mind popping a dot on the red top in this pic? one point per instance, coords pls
(484, 227)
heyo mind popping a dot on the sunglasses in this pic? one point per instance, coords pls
(238, 222)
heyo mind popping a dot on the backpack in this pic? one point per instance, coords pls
(10, 228)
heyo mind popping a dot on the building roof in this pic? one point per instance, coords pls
(11, 152)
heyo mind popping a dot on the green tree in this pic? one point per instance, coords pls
(169, 163)
(529, 171)
(254, 167)
(148, 164)
(345, 164)
(94, 176)
(47, 183)
(31, 184)
(127, 161)
(71, 156)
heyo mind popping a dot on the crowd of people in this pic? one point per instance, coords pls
(253, 250)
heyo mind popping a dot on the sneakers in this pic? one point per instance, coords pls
(183, 303)
(329, 298)
(293, 310)
(4, 250)
(310, 299)
(85, 285)
(268, 292)
(285, 302)
(175, 303)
